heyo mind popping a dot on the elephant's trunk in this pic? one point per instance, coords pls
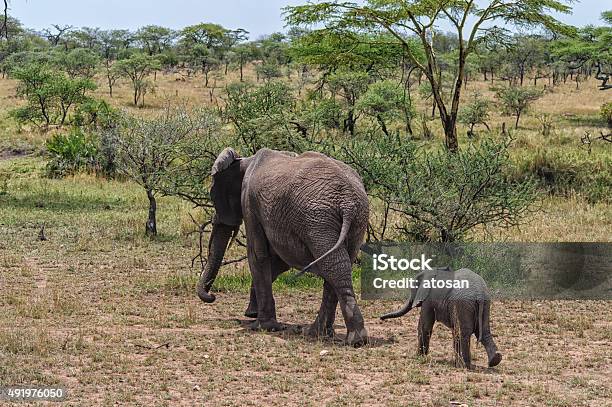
(402, 311)
(217, 245)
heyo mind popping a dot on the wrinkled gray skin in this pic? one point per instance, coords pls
(465, 311)
(308, 212)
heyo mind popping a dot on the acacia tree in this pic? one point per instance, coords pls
(242, 53)
(470, 19)
(590, 47)
(78, 62)
(474, 113)
(516, 100)
(49, 94)
(55, 38)
(137, 67)
(154, 39)
(112, 44)
(156, 152)
(202, 44)
(5, 21)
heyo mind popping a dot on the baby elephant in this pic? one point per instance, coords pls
(462, 304)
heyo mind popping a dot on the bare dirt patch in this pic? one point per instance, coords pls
(12, 153)
(112, 340)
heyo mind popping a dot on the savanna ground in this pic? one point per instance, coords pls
(113, 317)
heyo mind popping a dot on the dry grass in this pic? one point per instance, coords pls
(90, 307)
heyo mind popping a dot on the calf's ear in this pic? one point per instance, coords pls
(424, 289)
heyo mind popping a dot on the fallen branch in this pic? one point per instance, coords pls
(166, 345)
(586, 140)
(201, 230)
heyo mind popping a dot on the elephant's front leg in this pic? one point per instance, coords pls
(278, 268)
(323, 326)
(266, 308)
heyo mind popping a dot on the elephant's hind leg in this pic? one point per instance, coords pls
(462, 324)
(337, 270)
(487, 339)
(323, 326)
(461, 347)
(426, 323)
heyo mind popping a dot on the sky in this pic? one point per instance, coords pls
(259, 17)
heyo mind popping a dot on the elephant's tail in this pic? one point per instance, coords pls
(400, 312)
(347, 218)
(481, 309)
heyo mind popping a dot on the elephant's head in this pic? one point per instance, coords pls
(225, 192)
(421, 292)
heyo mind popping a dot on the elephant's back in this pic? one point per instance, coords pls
(308, 196)
(311, 174)
(477, 286)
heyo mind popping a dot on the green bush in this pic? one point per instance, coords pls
(385, 102)
(567, 172)
(71, 152)
(268, 71)
(321, 113)
(439, 195)
(94, 113)
(262, 116)
(606, 113)
(474, 113)
(516, 100)
(5, 176)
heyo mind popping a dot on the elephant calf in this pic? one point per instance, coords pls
(465, 310)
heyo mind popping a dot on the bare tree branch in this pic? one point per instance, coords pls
(5, 22)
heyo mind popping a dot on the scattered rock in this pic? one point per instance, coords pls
(323, 352)
(196, 388)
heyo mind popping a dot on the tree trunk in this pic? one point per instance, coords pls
(383, 126)
(349, 123)
(151, 226)
(450, 133)
(518, 116)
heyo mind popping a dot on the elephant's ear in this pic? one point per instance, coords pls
(226, 188)
(224, 160)
(424, 290)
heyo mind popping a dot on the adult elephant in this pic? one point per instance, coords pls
(308, 212)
